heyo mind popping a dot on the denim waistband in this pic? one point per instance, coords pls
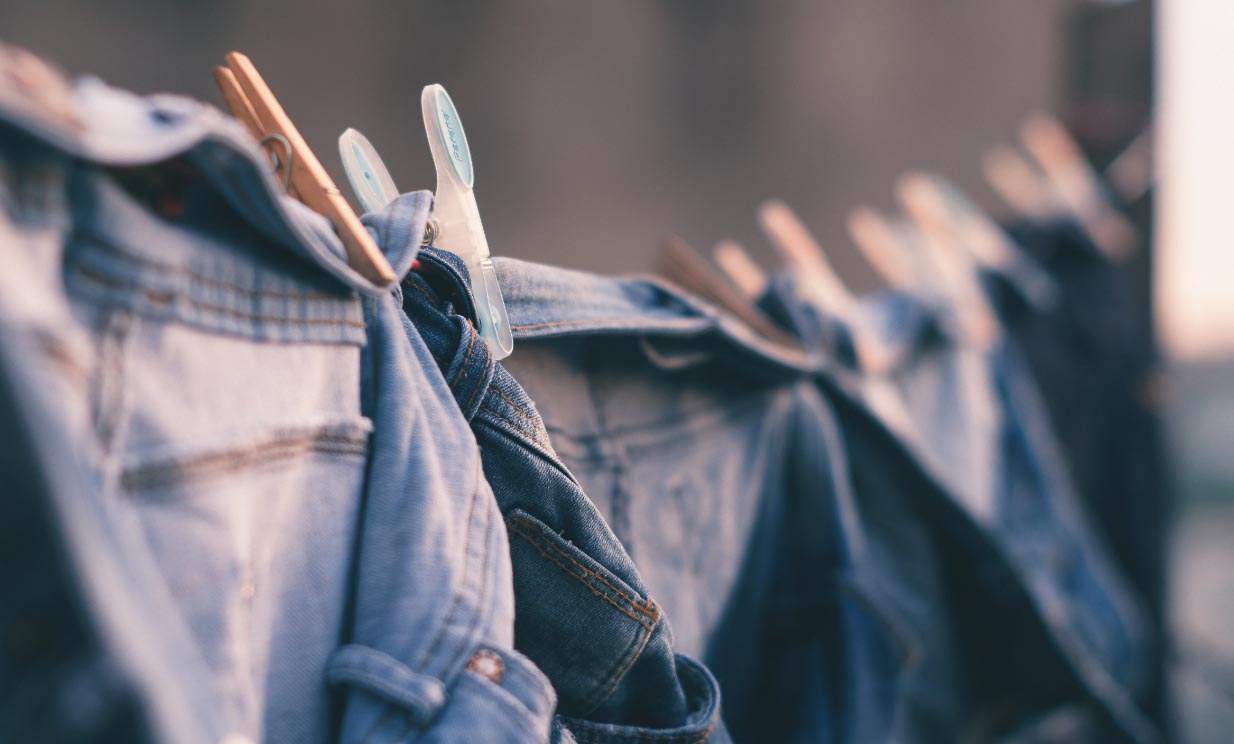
(583, 613)
(234, 282)
(549, 302)
(120, 129)
(1060, 561)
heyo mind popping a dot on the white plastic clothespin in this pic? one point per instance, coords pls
(456, 218)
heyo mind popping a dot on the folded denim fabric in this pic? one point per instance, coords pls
(1063, 595)
(583, 614)
(714, 460)
(1093, 356)
(217, 369)
(145, 325)
(430, 652)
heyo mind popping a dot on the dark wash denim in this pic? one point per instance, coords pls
(430, 651)
(1032, 529)
(719, 468)
(1096, 365)
(582, 612)
(252, 558)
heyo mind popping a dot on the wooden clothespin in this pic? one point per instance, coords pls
(925, 204)
(1077, 184)
(1133, 172)
(1020, 185)
(683, 265)
(251, 101)
(741, 269)
(792, 239)
(879, 242)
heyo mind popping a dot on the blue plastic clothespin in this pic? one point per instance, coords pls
(368, 175)
(455, 214)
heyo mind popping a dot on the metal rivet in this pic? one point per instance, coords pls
(487, 664)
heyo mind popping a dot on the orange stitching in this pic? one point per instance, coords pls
(416, 286)
(488, 362)
(530, 539)
(471, 345)
(517, 427)
(588, 571)
(274, 444)
(648, 610)
(110, 282)
(165, 473)
(515, 405)
(227, 285)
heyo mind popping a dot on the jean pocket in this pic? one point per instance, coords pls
(253, 538)
(581, 624)
(701, 722)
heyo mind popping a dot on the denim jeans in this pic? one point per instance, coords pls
(717, 465)
(430, 655)
(1022, 517)
(1095, 361)
(583, 613)
(82, 648)
(216, 369)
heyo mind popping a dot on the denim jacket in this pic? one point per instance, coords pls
(583, 614)
(1061, 592)
(281, 530)
(717, 466)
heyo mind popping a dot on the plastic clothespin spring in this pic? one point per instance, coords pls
(459, 228)
(455, 224)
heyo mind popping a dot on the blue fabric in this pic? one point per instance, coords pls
(1093, 356)
(85, 656)
(1010, 502)
(251, 558)
(434, 601)
(718, 467)
(584, 614)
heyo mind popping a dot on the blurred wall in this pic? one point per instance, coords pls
(598, 129)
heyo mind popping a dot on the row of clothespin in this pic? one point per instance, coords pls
(455, 224)
(942, 237)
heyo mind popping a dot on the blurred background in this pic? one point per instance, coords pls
(598, 130)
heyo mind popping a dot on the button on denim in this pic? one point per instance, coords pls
(167, 348)
(430, 655)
